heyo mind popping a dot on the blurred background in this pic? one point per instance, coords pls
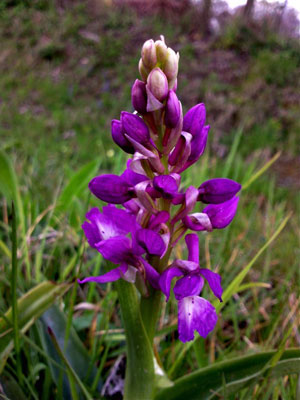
(66, 70)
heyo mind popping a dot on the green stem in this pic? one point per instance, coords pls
(150, 310)
(139, 381)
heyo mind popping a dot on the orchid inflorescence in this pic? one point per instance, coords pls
(157, 212)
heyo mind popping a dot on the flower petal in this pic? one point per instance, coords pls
(190, 285)
(198, 222)
(111, 188)
(172, 114)
(117, 222)
(166, 280)
(195, 313)
(117, 134)
(214, 281)
(150, 241)
(222, 214)
(191, 195)
(166, 185)
(110, 276)
(194, 119)
(116, 249)
(151, 274)
(192, 242)
(135, 127)
(218, 190)
(139, 96)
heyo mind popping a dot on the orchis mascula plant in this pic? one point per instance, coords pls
(156, 214)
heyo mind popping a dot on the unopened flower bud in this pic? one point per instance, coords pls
(171, 64)
(161, 51)
(119, 138)
(218, 190)
(158, 84)
(143, 71)
(139, 96)
(173, 109)
(111, 188)
(149, 54)
(135, 127)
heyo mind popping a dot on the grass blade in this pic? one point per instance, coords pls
(14, 278)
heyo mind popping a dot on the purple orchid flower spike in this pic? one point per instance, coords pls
(157, 211)
(194, 313)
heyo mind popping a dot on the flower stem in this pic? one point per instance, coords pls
(139, 380)
(150, 310)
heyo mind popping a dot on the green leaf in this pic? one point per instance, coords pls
(73, 353)
(30, 306)
(73, 377)
(76, 185)
(227, 377)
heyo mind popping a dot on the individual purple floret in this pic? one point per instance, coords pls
(194, 313)
(156, 210)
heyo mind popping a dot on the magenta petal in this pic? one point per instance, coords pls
(115, 222)
(186, 266)
(132, 178)
(135, 127)
(117, 134)
(139, 96)
(190, 285)
(166, 280)
(166, 185)
(222, 214)
(173, 110)
(152, 103)
(151, 274)
(198, 144)
(110, 276)
(116, 249)
(111, 188)
(194, 119)
(218, 190)
(91, 230)
(214, 281)
(192, 242)
(198, 222)
(160, 218)
(195, 313)
(191, 195)
(150, 241)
